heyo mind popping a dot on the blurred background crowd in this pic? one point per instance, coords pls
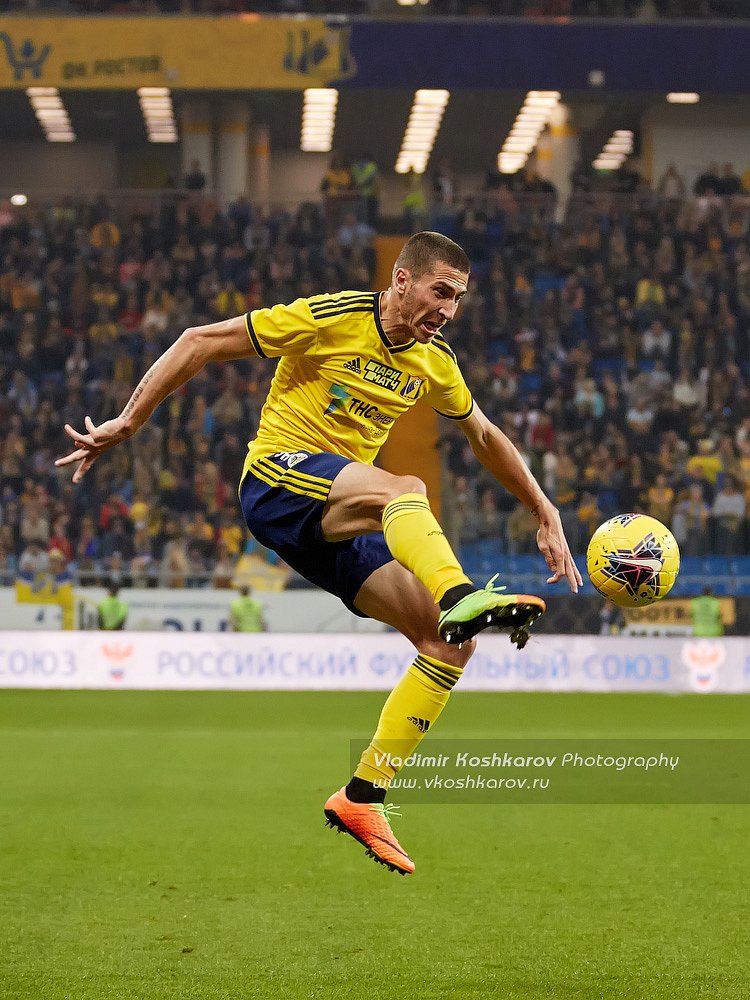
(642, 9)
(609, 341)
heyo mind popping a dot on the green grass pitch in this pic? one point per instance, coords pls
(165, 846)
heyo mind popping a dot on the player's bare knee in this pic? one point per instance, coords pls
(406, 484)
(446, 652)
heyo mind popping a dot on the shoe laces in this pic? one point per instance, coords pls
(386, 810)
(495, 590)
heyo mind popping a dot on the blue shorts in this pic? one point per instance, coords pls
(283, 497)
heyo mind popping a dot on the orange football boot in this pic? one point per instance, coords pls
(369, 823)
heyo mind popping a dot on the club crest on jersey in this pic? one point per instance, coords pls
(636, 567)
(412, 387)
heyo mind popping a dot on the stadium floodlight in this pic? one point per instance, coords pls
(158, 114)
(19, 200)
(51, 114)
(524, 134)
(680, 97)
(38, 103)
(525, 111)
(436, 98)
(615, 150)
(422, 126)
(318, 119)
(540, 102)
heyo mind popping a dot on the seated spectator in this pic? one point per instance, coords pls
(660, 500)
(589, 517)
(640, 420)
(656, 340)
(104, 329)
(60, 537)
(34, 526)
(728, 514)
(685, 390)
(34, 560)
(224, 568)
(521, 528)
(175, 565)
(705, 464)
(690, 522)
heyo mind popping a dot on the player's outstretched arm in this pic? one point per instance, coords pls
(224, 341)
(499, 455)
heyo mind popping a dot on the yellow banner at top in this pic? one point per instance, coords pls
(239, 53)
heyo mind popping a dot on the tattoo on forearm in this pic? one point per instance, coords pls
(138, 392)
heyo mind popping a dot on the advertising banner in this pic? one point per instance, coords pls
(239, 53)
(249, 51)
(363, 662)
(177, 610)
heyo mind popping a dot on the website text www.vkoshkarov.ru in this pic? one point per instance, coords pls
(437, 782)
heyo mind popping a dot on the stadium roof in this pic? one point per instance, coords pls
(475, 123)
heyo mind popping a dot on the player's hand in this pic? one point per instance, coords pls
(553, 545)
(90, 445)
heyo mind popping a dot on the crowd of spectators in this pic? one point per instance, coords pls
(90, 296)
(613, 350)
(623, 9)
(612, 347)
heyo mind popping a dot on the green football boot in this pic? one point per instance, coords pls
(491, 608)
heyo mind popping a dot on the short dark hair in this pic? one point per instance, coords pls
(422, 250)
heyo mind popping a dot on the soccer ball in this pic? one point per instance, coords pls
(633, 560)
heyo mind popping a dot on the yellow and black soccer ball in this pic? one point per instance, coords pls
(633, 560)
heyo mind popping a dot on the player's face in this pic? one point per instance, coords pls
(430, 301)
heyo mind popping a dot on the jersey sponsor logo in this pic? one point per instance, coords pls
(361, 408)
(343, 403)
(382, 375)
(412, 387)
(353, 366)
(341, 397)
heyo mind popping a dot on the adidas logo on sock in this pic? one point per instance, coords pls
(422, 724)
(353, 366)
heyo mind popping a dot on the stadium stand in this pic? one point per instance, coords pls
(611, 347)
(646, 10)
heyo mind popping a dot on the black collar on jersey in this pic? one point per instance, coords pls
(393, 348)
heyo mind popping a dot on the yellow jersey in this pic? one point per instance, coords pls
(341, 383)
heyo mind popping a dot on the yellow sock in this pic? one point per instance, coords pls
(410, 710)
(417, 541)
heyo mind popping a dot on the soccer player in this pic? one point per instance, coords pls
(351, 363)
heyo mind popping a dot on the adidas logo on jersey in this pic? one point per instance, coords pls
(422, 724)
(353, 366)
